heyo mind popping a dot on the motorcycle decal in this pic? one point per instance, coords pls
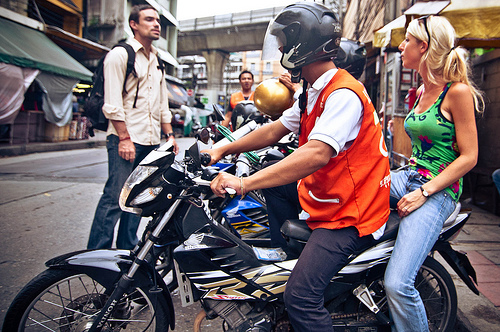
(369, 258)
(272, 278)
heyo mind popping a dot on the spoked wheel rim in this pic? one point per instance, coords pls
(71, 305)
(437, 292)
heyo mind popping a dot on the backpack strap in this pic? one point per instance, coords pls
(161, 64)
(130, 67)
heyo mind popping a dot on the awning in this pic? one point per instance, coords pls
(476, 22)
(391, 35)
(80, 48)
(177, 95)
(25, 47)
(168, 58)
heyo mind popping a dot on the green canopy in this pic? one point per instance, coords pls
(25, 47)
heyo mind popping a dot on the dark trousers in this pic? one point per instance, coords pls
(108, 211)
(282, 204)
(324, 255)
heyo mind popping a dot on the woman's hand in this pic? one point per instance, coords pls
(223, 181)
(410, 202)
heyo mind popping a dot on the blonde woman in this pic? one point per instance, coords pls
(442, 130)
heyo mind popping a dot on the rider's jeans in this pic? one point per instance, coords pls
(417, 234)
(108, 211)
(326, 253)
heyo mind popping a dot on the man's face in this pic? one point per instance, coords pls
(246, 81)
(148, 25)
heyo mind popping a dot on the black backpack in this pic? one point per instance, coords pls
(93, 105)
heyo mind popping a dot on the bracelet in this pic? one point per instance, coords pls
(242, 188)
(124, 139)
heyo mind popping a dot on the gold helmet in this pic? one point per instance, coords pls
(272, 97)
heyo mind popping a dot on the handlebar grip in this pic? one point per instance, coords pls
(205, 159)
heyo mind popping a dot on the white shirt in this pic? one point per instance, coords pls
(143, 122)
(340, 122)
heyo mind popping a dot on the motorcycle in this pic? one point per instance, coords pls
(239, 280)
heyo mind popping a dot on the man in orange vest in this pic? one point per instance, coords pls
(246, 93)
(340, 172)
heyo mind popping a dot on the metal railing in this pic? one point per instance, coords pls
(229, 20)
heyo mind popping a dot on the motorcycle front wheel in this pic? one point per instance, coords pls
(68, 301)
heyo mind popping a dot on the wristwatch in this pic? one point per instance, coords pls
(170, 135)
(424, 192)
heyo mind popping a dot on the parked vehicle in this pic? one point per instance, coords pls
(240, 280)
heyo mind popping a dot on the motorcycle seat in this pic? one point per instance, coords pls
(297, 229)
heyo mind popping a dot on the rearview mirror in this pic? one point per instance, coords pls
(203, 135)
(219, 115)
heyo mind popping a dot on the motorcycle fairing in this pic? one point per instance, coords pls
(115, 262)
(234, 211)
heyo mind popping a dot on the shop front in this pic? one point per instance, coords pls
(37, 79)
(475, 22)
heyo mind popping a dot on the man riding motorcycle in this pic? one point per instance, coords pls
(340, 172)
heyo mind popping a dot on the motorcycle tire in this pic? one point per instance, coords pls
(66, 300)
(438, 294)
(437, 291)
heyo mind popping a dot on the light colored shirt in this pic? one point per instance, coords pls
(340, 121)
(143, 122)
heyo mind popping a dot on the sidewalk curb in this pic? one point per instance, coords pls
(22, 149)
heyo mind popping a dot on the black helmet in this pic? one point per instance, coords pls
(244, 112)
(301, 34)
(351, 57)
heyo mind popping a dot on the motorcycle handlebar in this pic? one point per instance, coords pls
(205, 159)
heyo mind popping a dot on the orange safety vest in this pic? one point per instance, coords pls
(237, 97)
(353, 188)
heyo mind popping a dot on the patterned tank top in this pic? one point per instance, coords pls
(434, 143)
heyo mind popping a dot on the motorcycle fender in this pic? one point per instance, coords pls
(460, 263)
(115, 262)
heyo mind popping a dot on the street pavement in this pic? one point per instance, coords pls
(47, 202)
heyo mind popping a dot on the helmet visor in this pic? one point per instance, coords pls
(274, 41)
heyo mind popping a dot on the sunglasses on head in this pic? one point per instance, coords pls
(424, 20)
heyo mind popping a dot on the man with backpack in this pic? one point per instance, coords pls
(137, 109)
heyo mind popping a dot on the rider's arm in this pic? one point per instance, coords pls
(258, 139)
(304, 161)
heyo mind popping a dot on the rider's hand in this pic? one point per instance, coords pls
(126, 149)
(223, 181)
(214, 154)
(410, 202)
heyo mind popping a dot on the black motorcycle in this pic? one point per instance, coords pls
(239, 280)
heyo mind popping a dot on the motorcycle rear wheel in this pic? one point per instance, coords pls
(437, 291)
(438, 294)
(67, 301)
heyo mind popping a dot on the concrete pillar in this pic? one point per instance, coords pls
(216, 62)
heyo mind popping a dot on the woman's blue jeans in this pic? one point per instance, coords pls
(496, 179)
(416, 236)
(108, 211)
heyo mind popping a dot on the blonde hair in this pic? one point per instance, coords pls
(442, 59)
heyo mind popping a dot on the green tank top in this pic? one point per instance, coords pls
(434, 143)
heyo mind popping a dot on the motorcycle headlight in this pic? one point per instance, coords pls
(137, 176)
(146, 195)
